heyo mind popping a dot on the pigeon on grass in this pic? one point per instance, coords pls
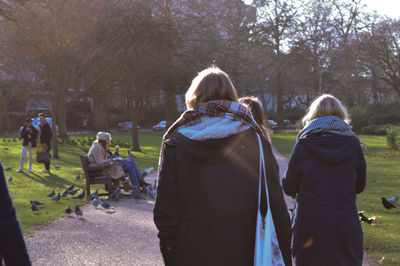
(81, 196)
(51, 194)
(387, 204)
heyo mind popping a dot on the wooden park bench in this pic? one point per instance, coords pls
(95, 175)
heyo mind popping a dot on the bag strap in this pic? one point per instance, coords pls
(262, 175)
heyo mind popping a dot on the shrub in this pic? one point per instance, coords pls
(358, 118)
(393, 137)
(376, 129)
(374, 114)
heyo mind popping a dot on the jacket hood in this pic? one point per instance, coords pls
(332, 149)
(210, 150)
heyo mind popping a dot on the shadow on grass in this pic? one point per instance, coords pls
(51, 180)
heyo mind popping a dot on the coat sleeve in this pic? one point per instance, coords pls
(166, 207)
(34, 133)
(292, 177)
(12, 244)
(361, 173)
(96, 153)
(24, 132)
(278, 206)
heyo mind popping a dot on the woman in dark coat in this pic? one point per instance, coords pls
(326, 170)
(12, 245)
(207, 198)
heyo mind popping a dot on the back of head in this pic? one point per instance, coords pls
(254, 105)
(325, 105)
(210, 84)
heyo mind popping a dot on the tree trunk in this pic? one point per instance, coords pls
(62, 125)
(279, 96)
(100, 113)
(264, 104)
(135, 134)
(54, 144)
(1, 125)
(170, 106)
(6, 117)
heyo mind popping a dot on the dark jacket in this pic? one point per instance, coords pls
(29, 137)
(45, 134)
(326, 173)
(12, 244)
(207, 200)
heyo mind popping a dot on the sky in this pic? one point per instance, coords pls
(390, 8)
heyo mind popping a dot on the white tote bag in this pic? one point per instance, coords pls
(267, 251)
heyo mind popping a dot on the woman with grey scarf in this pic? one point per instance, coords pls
(326, 170)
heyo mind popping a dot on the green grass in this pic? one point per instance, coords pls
(383, 180)
(25, 187)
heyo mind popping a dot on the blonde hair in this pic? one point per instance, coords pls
(210, 84)
(325, 105)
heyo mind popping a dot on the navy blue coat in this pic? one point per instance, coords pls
(326, 173)
(12, 244)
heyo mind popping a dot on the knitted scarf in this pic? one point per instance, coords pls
(326, 125)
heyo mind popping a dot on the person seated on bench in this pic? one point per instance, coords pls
(97, 156)
(100, 146)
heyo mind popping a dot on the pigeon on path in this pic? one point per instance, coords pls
(68, 211)
(116, 194)
(51, 194)
(56, 197)
(106, 205)
(80, 196)
(388, 205)
(10, 179)
(95, 202)
(78, 211)
(78, 176)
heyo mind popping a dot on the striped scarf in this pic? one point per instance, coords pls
(216, 108)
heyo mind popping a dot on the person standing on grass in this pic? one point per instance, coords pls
(207, 197)
(12, 245)
(326, 170)
(29, 134)
(45, 138)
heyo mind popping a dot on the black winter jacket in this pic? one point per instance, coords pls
(46, 135)
(326, 173)
(29, 137)
(207, 200)
(12, 244)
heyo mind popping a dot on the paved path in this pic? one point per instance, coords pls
(126, 237)
(282, 162)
